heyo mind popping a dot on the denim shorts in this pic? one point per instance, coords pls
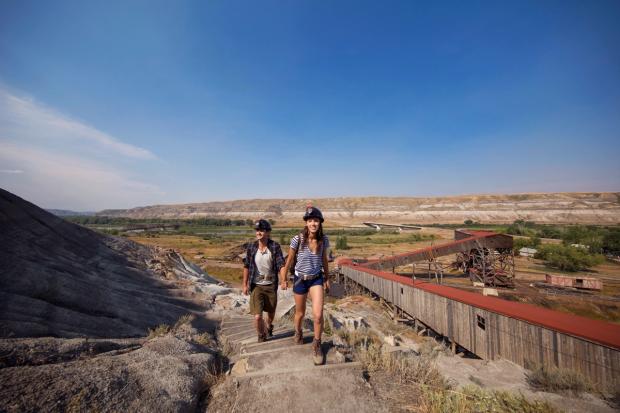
(302, 287)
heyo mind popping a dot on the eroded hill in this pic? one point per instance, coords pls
(585, 208)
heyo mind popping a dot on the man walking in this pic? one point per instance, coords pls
(261, 266)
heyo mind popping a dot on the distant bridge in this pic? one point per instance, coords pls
(401, 227)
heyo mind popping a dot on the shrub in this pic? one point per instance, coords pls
(404, 369)
(160, 330)
(341, 243)
(550, 232)
(531, 242)
(360, 337)
(553, 379)
(184, 319)
(579, 234)
(520, 227)
(568, 258)
(611, 242)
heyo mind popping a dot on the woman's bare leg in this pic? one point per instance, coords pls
(300, 309)
(316, 295)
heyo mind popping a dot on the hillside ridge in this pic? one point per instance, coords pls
(561, 207)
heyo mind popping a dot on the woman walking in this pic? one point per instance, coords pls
(310, 249)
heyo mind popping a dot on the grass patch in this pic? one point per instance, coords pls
(403, 369)
(557, 380)
(163, 329)
(475, 399)
(205, 339)
(184, 319)
(361, 337)
(434, 393)
(383, 239)
(226, 274)
(327, 327)
(159, 331)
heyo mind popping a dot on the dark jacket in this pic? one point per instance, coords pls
(276, 257)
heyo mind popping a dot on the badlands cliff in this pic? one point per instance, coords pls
(583, 208)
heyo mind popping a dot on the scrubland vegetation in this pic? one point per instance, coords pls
(568, 258)
(553, 379)
(418, 375)
(598, 240)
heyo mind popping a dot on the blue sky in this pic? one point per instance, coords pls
(121, 104)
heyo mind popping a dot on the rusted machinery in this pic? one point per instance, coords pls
(494, 268)
(485, 256)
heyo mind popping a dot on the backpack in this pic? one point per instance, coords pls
(292, 269)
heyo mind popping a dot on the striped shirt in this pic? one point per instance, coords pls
(307, 261)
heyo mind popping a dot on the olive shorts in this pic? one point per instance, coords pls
(263, 298)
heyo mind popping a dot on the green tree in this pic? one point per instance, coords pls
(567, 258)
(611, 241)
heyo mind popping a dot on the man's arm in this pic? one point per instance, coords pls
(246, 276)
(246, 270)
(279, 258)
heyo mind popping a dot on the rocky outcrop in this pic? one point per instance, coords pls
(166, 373)
(59, 279)
(594, 208)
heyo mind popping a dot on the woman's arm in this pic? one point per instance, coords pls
(285, 269)
(326, 269)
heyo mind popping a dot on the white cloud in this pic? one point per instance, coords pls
(55, 180)
(24, 119)
(57, 162)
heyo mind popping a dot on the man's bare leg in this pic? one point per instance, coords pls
(259, 324)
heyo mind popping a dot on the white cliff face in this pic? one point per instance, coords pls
(585, 208)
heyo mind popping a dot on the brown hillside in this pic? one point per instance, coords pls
(586, 208)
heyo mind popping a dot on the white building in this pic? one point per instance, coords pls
(527, 252)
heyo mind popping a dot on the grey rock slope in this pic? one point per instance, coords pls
(59, 279)
(162, 374)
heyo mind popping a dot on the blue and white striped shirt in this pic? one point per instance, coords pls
(308, 262)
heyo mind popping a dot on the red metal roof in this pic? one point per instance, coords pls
(597, 331)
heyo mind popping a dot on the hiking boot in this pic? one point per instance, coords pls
(317, 352)
(262, 338)
(270, 331)
(298, 338)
